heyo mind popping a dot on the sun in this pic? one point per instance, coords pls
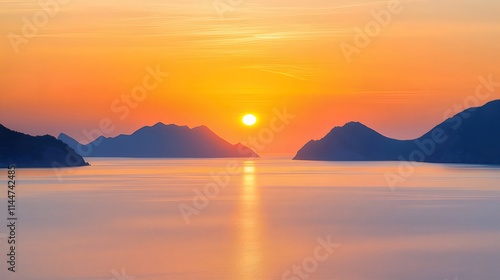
(249, 119)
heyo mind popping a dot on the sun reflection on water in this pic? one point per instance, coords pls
(250, 228)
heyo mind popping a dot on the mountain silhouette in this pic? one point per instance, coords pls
(24, 150)
(472, 137)
(162, 141)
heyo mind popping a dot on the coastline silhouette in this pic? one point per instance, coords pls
(469, 137)
(162, 141)
(28, 151)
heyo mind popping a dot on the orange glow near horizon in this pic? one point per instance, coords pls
(86, 63)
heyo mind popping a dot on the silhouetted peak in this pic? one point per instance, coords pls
(162, 125)
(159, 124)
(160, 128)
(352, 128)
(355, 126)
(64, 136)
(202, 128)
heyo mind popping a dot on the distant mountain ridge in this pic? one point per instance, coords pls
(24, 150)
(162, 141)
(472, 136)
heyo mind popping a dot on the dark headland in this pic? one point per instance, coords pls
(24, 150)
(470, 137)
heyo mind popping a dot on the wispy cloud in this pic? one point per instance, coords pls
(292, 71)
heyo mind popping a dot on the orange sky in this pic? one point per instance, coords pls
(263, 55)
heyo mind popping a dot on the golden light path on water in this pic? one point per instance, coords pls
(250, 260)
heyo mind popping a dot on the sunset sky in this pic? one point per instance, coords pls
(262, 55)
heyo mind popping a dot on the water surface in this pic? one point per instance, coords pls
(121, 218)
